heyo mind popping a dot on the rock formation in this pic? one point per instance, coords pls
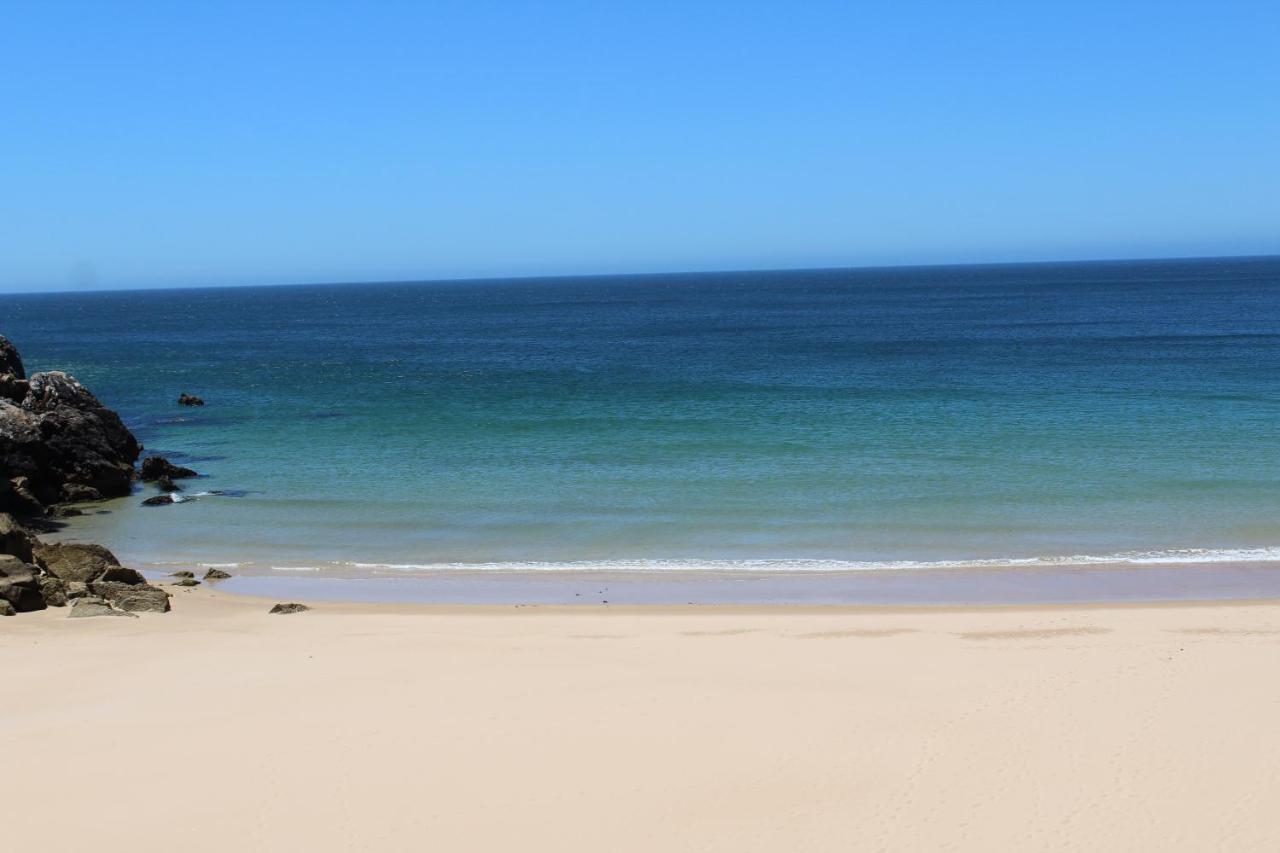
(35, 575)
(189, 400)
(58, 443)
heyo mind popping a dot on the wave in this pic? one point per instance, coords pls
(1180, 556)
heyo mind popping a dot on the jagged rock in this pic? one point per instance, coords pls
(132, 597)
(15, 539)
(20, 585)
(155, 467)
(74, 561)
(119, 574)
(10, 361)
(187, 582)
(86, 607)
(54, 591)
(60, 435)
(216, 575)
(159, 500)
(290, 607)
(189, 400)
(182, 574)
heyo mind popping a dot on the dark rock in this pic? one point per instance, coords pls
(60, 435)
(16, 539)
(159, 500)
(74, 561)
(119, 574)
(77, 493)
(6, 609)
(155, 467)
(54, 591)
(290, 607)
(13, 388)
(10, 361)
(131, 597)
(20, 585)
(216, 575)
(182, 574)
(189, 400)
(166, 484)
(85, 607)
(80, 440)
(16, 497)
(187, 582)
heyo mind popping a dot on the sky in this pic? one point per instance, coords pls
(206, 144)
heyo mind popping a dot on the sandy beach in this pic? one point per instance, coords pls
(376, 727)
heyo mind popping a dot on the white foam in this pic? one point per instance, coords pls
(1145, 558)
(296, 569)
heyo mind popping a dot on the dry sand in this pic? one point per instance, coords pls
(221, 728)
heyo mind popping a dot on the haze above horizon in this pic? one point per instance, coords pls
(149, 146)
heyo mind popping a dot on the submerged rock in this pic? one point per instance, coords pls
(155, 467)
(166, 484)
(290, 607)
(159, 500)
(182, 574)
(189, 400)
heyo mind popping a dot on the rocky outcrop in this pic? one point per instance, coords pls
(159, 500)
(216, 575)
(156, 467)
(10, 361)
(189, 400)
(58, 443)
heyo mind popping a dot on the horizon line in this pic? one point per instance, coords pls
(728, 271)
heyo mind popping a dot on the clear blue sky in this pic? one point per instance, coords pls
(173, 144)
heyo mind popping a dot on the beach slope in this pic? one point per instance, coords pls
(219, 727)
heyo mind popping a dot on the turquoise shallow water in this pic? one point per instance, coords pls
(810, 420)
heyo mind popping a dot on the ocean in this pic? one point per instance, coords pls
(809, 421)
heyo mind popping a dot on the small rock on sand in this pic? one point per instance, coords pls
(216, 575)
(290, 607)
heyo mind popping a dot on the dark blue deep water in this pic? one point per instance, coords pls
(816, 419)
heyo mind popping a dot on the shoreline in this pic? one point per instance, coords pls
(639, 728)
(1015, 586)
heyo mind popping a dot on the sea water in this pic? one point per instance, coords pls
(820, 420)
